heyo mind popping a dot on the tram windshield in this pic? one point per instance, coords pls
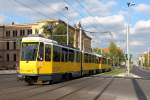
(29, 51)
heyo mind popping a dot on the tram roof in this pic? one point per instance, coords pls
(37, 39)
(98, 55)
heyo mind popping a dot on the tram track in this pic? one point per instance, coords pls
(65, 91)
(80, 89)
(36, 91)
(20, 92)
(87, 93)
(71, 82)
(14, 90)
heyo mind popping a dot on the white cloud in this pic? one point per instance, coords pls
(144, 8)
(114, 23)
(136, 43)
(142, 27)
(100, 7)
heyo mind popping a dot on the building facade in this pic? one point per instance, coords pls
(144, 59)
(11, 35)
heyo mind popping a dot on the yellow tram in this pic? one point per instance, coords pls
(45, 60)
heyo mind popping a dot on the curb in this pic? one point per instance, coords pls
(126, 75)
(7, 72)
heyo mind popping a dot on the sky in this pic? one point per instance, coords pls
(98, 16)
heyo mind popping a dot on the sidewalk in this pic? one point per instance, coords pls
(126, 75)
(2, 72)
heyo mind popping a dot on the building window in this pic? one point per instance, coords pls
(7, 57)
(22, 32)
(15, 57)
(14, 33)
(14, 45)
(7, 33)
(29, 31)
(7, 45)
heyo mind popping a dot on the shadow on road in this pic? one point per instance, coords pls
(137, 70)
(139, 92)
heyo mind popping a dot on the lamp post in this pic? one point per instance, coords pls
(67, 27)
(129, 4)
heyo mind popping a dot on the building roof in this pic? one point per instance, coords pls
(17, 25)
(106, 50)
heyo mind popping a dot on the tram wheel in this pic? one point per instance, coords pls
(50, 82)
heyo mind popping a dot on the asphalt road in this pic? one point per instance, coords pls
(87, 88)
(143, 73)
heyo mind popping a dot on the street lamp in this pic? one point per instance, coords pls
(67, 27)
(129, 4)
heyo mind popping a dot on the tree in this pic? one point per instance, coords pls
(48, 29)
(57, 32)
(100, 51)
(97, 50)
(116, 54)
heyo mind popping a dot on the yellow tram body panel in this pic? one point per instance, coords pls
(28, 67)
(35, 67)
(105, 66)
(90, 66)
(44, 67)
(63, 67)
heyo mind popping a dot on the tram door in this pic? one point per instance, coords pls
(44, 58)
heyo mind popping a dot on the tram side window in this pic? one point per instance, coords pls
(47, 52)
(64, 57)
(78, 56)
(75, 56)
(108, 62)
(97, 59)
(41, 52)
(94, 59)
(90, 58)
(71, 55)
(85, 58)
(104, 61)
(56, 54)
(100, 60)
